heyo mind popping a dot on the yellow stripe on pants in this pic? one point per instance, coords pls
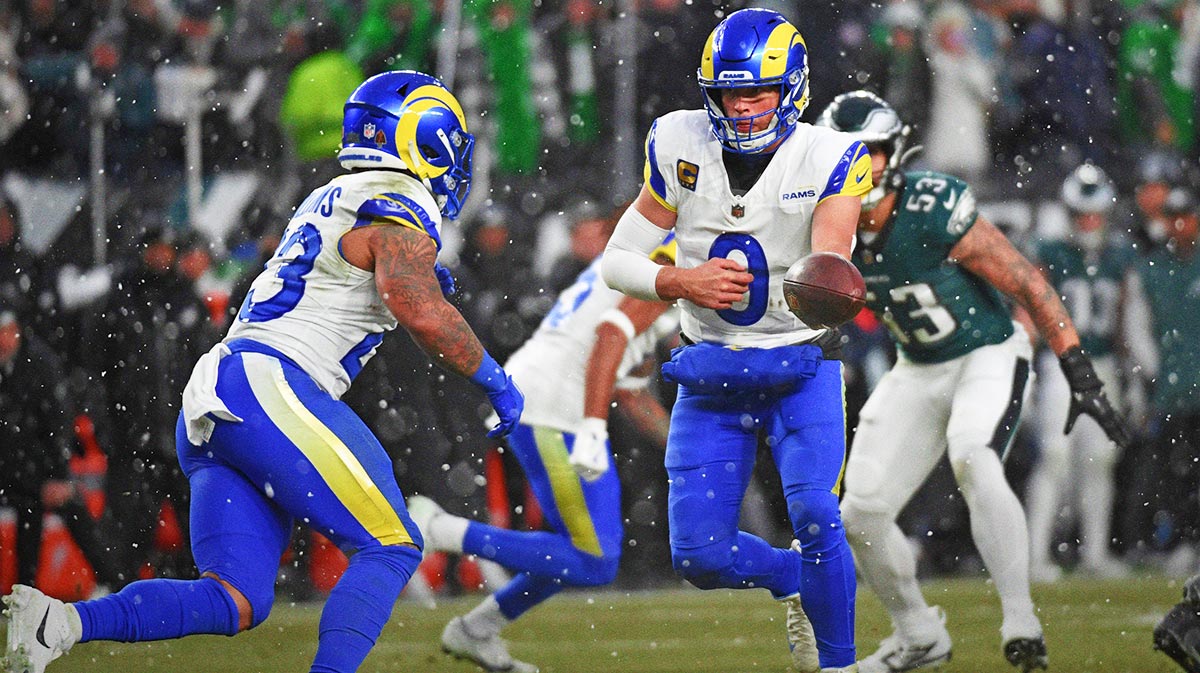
(334, 461)
(568, 493)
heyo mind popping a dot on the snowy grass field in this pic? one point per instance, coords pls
(1091, 627)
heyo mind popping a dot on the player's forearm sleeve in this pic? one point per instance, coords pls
(627, 266)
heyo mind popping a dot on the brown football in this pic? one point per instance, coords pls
(824, 290)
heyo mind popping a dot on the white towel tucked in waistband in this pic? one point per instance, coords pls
(200, 397)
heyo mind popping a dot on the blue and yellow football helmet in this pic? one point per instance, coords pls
(750, 48)
(410, 121)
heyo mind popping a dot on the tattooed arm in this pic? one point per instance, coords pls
(987, 253)
(402, 260)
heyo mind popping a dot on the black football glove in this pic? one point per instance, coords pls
(1087, 397)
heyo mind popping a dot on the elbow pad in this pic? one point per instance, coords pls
(627, 266)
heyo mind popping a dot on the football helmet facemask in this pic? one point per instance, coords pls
(1088, 190)
(410, 121)
(868, 118)
(754, 48)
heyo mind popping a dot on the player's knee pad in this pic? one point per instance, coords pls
(817, 521)
(865, 481)
(401, 559)
(704, 567)
(864, 525)
(973, 461)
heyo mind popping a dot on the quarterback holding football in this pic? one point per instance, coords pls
(749, 190)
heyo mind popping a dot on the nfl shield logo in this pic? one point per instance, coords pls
(737, 210)
(368, 130)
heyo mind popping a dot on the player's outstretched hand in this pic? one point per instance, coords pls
(445, 279)
(589, 453)
(508, 402)
(1087, 397)
(717, 284)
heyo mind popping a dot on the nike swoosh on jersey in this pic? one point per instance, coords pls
(861, 177)
(950, 201)
(41, 631)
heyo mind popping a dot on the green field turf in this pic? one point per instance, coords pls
(1101, 627)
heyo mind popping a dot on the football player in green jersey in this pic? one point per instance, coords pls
(1087, 267)
(935, 272)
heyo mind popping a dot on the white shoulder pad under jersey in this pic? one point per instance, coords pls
(767, 229)
(312, 305)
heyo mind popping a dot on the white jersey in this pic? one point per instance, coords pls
(768, 228)
(551, 367)
(312, 305)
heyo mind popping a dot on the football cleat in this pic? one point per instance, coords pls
(896, 655)
(489, 653)
(1027, 654)
(1045, 573)
(40, 629)
(430, 517)
(1105, 568)
(1178, 636)
(801, 640)
(852, 668)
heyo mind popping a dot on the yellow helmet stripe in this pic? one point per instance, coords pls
(775, 55)
(442, 95)
(406, 127)
(706, 58)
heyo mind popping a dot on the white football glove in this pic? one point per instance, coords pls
(589, 455)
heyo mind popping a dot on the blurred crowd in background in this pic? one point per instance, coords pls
(151, 152)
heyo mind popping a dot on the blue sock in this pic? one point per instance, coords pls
(538, 553)
(828, 586)
(523, 593)
(159, 609)
(827, 592)
(360, 605)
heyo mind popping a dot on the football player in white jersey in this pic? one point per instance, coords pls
(263, 436)
(1088, 267)
(749, 189)
(568, 369)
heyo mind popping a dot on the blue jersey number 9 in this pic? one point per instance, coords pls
(756, 264)
(293, 260)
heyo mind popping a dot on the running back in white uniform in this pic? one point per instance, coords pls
(312, 305)
(551, 367)
(685, 173)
